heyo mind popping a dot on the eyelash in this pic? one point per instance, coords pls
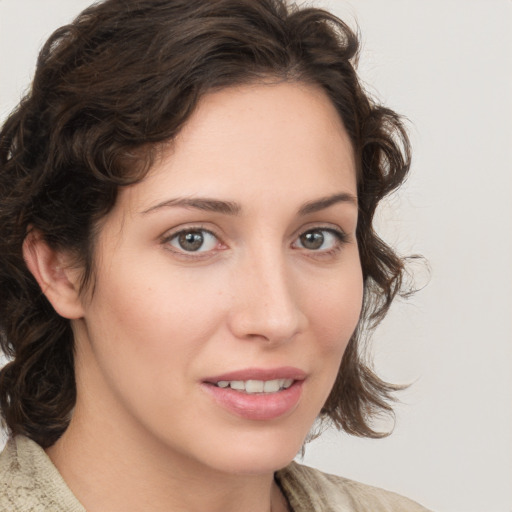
(189, 254)
(341, 238)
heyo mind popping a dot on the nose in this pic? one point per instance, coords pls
(266, 303)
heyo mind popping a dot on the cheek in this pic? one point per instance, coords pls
(145, 338)
(335, 309)
(155, 317)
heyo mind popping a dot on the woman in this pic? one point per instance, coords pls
(191, 186)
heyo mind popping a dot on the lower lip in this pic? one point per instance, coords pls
(257, 406)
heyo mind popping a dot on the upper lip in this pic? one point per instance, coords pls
(284, 372)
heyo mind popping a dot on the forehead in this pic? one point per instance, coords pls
(256, 141)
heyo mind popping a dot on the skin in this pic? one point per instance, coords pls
(162, 319)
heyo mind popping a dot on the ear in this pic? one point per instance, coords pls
(53, 271)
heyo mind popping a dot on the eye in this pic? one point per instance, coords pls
(320, 239)
(193, 240)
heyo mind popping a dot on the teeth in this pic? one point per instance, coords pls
(272, 386)
(239, 385)
(256, 386)
(287, 383)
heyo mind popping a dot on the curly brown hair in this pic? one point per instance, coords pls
(109, 89)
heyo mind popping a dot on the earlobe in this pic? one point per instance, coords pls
(52, 270)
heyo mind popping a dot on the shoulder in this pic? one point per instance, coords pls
(308, 489)
(29, 482)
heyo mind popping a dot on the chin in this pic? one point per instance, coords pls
(256, 454)
(260, 464)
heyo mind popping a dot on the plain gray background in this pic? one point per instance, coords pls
(447, 66)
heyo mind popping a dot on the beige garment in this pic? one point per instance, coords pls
(29, 482)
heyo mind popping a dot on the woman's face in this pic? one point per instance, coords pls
(228, 284)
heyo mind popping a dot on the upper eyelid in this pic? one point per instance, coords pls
(339, 233)
(333, 228)
(201, 227)
(171, 233)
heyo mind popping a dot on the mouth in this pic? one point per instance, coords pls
(256, 386)
(257, 394)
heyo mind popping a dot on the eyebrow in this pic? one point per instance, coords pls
(232, 208)
(200, 203)
(325, 202)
